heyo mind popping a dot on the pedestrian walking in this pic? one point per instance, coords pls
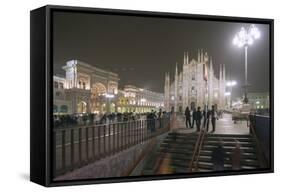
(198, 115)
(187, 117)
(208, 119)
(236, 156)
(205, 117)
(218, 156)
(193, 117)
(214, 117)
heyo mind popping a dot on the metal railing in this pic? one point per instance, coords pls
(78, 146)
(262, 148)
(196, 151)
(193, 164)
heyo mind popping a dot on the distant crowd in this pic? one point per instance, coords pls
(70, 120)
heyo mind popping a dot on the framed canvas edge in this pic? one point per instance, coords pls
(48, 181)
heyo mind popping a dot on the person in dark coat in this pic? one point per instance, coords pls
(214, 117)
(187, 117)
(205, 116)
(218, 156)
(198, 115)
(208, 119)
(159, 117)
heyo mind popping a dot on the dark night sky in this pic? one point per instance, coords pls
(142, 49)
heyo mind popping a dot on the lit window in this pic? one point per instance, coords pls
(56, 85)
(58, 93)
(63, 109)
(61, 85)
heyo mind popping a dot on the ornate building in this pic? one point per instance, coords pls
(135, 99)
(195, 84)
(88, 89)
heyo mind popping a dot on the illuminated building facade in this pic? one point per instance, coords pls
(195, 85)
(88, 89)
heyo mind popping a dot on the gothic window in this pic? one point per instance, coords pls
(192, 89)
(193, 76)
(84, 85)
(180, 98)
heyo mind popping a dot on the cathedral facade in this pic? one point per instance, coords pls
(195, 84)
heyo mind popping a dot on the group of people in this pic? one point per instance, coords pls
(193, 116)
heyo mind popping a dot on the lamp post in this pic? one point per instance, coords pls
(230, 84)
(245, 38)
(228, 95)
(108, 98)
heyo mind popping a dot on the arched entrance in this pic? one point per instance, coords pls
(192, 105)
(180, 109)
(98, 89)
(97, 98)
(82, 107)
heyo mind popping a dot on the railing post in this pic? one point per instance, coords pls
(55, 154)
(99, 144)
(118, 136)
(63, 150)
(113, 139)
(142, 131)
(87, 144)
(93, 143)
(136, 128)
(121, 136)
(109, 139)
(80, 145)
(126, 132)
(130, 127)
(72, 148)
(104, 140)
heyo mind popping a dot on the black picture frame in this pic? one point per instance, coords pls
(41, 93)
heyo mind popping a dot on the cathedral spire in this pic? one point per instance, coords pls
(187, 59)
(168, 76)
(201, 55)
(211, 64)
(184, 59)
(176, 71)
(198, 57)
(223, 73)
(220, 78)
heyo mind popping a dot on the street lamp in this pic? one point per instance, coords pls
(245, 38)
(231, 84)
(227, 93)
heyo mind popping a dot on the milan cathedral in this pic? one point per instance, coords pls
(195, 84)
